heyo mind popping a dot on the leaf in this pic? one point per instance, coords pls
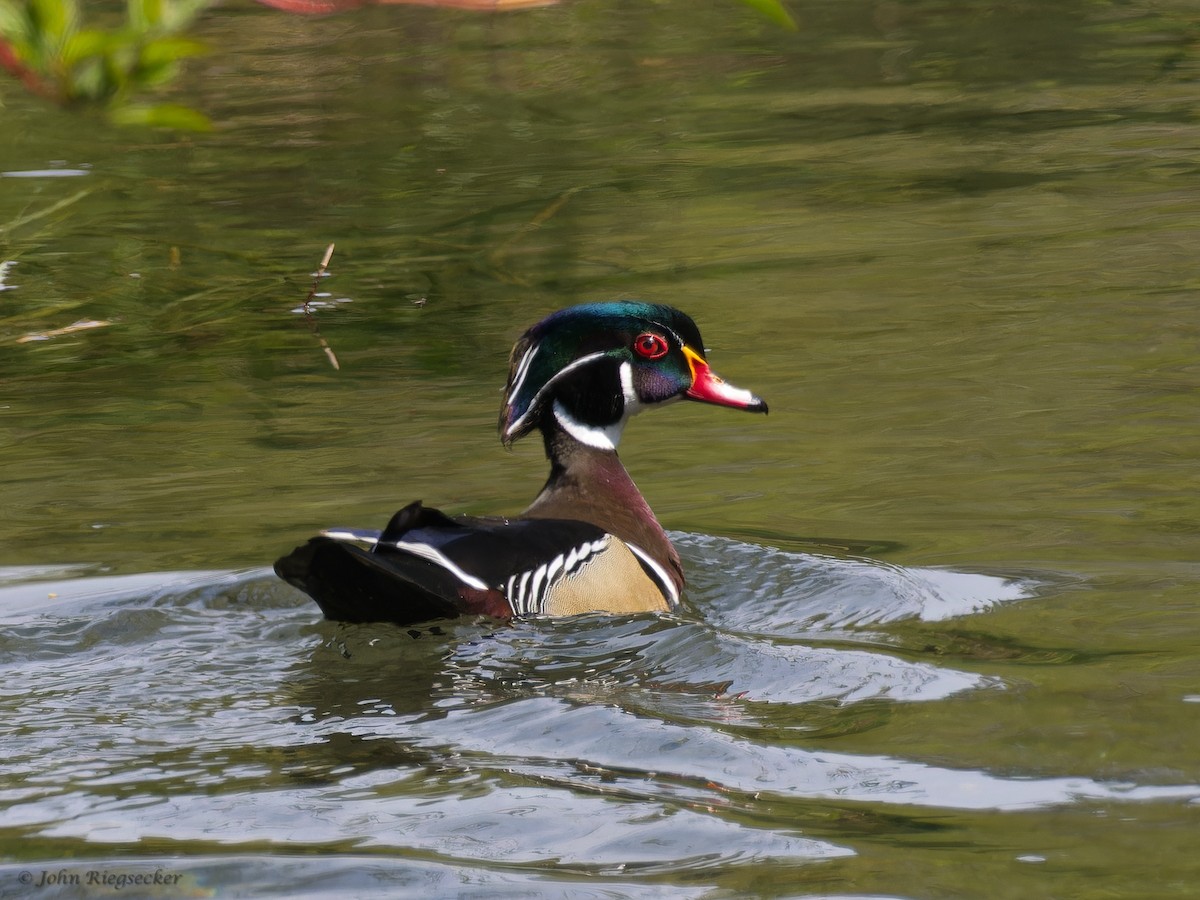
(162, 115)
(169, 49)
(145, 15)
(775, 11)
(89, 81)
(55, 19)
(84, 43)
(149, 75)
(14, 24)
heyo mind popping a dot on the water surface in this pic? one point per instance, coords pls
(939, 639)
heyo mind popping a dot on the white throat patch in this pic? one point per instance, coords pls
(601, 437)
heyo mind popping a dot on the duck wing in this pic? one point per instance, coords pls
(427, 565)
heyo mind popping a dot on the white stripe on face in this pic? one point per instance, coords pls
(535, 403)
(523, 369)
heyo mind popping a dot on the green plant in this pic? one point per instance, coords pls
(46, 44)
(775, 11)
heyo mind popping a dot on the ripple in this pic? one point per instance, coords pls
(217, 708)
(522, 825)
(748, 587)
(350, 875)
(551, 735)
(680, 657)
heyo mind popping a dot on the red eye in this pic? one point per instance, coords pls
(650, 346)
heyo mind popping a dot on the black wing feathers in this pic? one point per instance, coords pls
(427, 565)
(354, 585)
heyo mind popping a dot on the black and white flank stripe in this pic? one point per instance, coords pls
(528, 591)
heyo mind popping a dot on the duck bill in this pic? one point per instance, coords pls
(709, 387)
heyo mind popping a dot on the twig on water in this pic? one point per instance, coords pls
(547, 213)
(81, 325)
(312, 320)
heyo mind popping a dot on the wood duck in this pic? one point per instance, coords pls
(588, 542)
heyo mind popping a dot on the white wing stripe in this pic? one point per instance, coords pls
(350, 536)
(435, 556)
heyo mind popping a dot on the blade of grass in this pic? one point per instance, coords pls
(25, 219)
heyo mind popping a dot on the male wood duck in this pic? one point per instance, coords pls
(588, 542)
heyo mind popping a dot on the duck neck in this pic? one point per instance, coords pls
(589, 482)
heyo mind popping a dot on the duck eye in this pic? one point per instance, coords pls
(650, 346)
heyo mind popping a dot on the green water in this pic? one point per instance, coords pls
(954, 247)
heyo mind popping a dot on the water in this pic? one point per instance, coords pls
(939, 639)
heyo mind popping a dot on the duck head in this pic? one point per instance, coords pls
(588, 368)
